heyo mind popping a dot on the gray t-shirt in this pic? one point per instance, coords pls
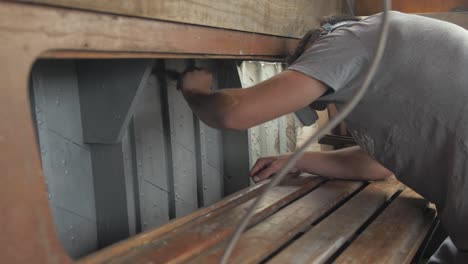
(414, 117)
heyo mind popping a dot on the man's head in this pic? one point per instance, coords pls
(314, 34)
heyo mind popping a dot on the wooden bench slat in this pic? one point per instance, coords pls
(269, 235)
(205, 232)
(225, 204)
(320, 242)
(395, 235)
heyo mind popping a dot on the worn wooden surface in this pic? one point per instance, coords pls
(458, 18)
(275, 17)
(395, 235)
(44, 28)
(182, 244)
(269, 235)
(227, 203)
(305, 220)
(324, 239)
(26, 31)
(369, 7)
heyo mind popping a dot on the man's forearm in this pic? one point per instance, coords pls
(212, 108)
(349, 163)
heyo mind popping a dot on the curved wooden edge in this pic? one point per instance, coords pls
(26, 32)
(76, 54)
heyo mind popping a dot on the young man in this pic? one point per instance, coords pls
(412, 122)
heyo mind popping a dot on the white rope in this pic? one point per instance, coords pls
(320, 133)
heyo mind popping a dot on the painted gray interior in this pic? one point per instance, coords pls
(123, 153)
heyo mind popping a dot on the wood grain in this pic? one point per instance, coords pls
(319, 243)
(143, 238)
(394, 236)
(457, 18)
(369, 7)
(26, 31)
(181, 244)
(275, 17)
(269, 235)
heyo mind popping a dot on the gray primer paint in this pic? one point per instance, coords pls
(66, 160)
(156, 162)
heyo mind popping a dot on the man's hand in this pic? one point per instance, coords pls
(265, 167)
(195, 81)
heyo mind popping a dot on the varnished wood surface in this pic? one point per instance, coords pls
(124, 246)
(274, 17)
(395, 235)
(324, 239)
(183, 243)
(272, 233)
(275, 233)
(369, 7)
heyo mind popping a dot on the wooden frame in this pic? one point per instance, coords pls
(273, 17)
(29, 32)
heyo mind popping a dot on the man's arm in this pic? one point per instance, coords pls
(240, 109)
(349, 163)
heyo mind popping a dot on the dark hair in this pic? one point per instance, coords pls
(312, 35)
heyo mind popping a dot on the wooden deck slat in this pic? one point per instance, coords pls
(205, 232)
(394, 236)
(225, 204)
(318, 244)
(269, 235)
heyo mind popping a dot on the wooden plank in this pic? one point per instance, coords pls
(73, 54)
(394, 236)
(319, 243)
(369, 7)
(458, 18)
(57, 29)
(227, 203)
(181, 244)
(275, 17)
(269, 235)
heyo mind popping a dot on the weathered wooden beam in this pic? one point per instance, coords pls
(275, 17)
(369, 7)
(47, 29)
(458, 18)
